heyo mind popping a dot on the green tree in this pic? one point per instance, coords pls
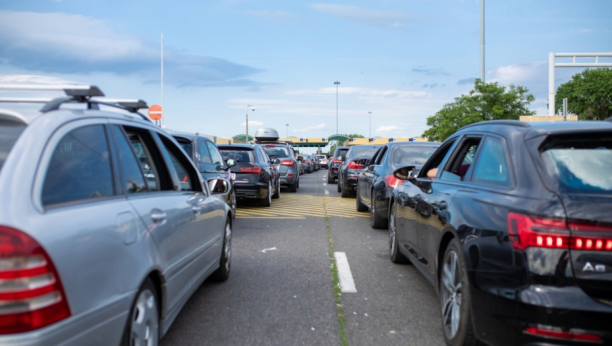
(242, 137)
(354, 135)
(488, 101)
(336, 144)
(589, 94)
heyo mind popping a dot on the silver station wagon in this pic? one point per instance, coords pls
(106, 227)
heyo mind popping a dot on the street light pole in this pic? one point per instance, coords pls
(482, 40)
(287, 130)
(247, 121)
(370, 120)
(336, 83)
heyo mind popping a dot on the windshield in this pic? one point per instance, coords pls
(8, 137)
(341, 153)
(412, 155)
(364, 151)
(238, 154)
(277, 151)
(581, 164)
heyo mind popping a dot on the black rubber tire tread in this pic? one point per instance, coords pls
(465, 332)
(148, 284)
(395, 255)
(359, 205)
(266, 202)
(339, 185)
(221, 274)
(330, 178)
(376, 221)
(293, 187)
(276, 194)
(345, 192)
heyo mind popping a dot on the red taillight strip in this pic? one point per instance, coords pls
(556, 333)
(289, 163)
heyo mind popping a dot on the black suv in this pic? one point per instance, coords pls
(335, 163)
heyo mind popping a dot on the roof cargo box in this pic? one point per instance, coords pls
(266, 135)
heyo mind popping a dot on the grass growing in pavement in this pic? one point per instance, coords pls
(336, 285)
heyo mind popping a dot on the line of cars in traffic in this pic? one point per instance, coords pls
(509, 221)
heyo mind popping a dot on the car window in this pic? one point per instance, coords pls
(381, 154)
(204, 154)
(80, 168)
(265, 156)
(341, 153)
(274, 151)
(187, 146)
(491, 165)
(217, 159)
(188, 178)
(145, 160)
(238, 154)
(430, 168)
(364, 151)
(580, 163)
(458, 168)
(412, 154)
(133, 179)
(9, 134)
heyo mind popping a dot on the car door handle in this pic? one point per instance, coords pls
(158, 216)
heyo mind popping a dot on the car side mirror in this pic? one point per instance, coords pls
(276, 161)
(405, 173)
(218, 186)
(230, 163)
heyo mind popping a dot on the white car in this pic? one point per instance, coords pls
(322, 161)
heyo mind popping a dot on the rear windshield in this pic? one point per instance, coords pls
(412, 155)
(277, 151)
(364, 151)
(188, 147)
(321, 157)
(341, 153)
(238, 154)
(580, 164)
(8, 137)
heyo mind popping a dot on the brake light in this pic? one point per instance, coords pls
(308, 162)
(31, 293)
(526, 231)
(557, 333)
(289, 163)
(392, 182)
(270, 145)
(337, 161)
(354, 165)
(251, 169)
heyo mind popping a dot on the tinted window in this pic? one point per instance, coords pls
(8, 137)
(204, 154)
(581, 164)
(458, 168)
(238, 155)
(277, 151)
(80, 168)
(217, 159)
(341, 153)
(412, 155)
(491, 166)
(133, 179)
(144, 160)
(187, 146)
(364, 151)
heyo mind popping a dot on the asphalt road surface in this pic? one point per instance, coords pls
(280, 290)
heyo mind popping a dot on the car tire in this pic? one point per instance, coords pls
(395, 255)
(266, 202)
(376, 221)
(142, 326)
(330, 178)
(276, 194)
(233, 207)
(339, 185)
(345, 191)
(359, 205)
(225, 261)
(455, 298)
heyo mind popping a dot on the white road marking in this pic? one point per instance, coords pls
(345, 277)
(326, 192)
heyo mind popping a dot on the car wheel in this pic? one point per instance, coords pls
(266, 202)
(225, 262)
(293, 187)
(276, 194)
(395, 255)
(233, 205)
(143, 323)
(360, 206)
(339, 185)
(346, 192)
(455, 298)
(330, 178)
(375, 220)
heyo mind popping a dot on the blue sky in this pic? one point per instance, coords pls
(401, 60)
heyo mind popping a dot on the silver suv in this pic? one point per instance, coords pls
(106, 227)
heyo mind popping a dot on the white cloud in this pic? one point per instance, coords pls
(362, 92)
(518, 74)
(389, 19)
(253, 123)
(317, 127)
(35, 79)
(387, 129)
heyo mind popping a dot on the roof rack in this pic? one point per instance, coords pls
(75, 94)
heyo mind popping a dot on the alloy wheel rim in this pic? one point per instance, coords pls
(145, 324)
(228, 247)
(392, 230)
(451, 295)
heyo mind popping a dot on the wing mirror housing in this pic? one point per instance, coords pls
(218, 186)
(405, 173)
(230, 163)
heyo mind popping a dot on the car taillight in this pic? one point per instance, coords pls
(392, 182)
(557, 333)
(354, 165)
(337, 161)
(270, 145)
(526, 231)
(251, 169)
(31, 293)
(289, 163)
(307, 162)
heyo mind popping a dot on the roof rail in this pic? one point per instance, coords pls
(499, 122)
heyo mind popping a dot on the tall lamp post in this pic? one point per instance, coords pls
(336, 83)
(287, 130)
(247, 121)
(482, 40)
(370, 120)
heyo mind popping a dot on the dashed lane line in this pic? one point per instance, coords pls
(347, 284)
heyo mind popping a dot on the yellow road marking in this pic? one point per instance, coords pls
(292, 206)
